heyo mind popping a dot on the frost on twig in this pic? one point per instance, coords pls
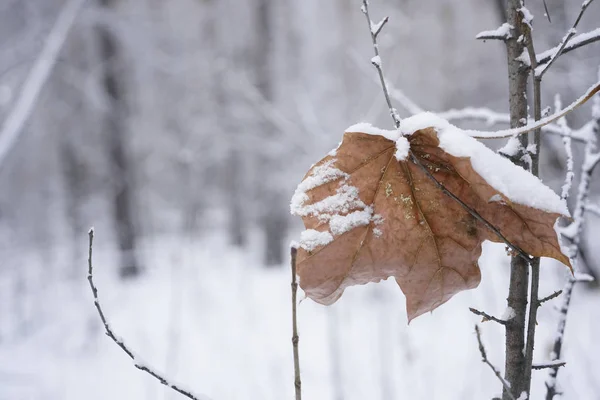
(551, 364)
(501, 33)
(485, 359)
(120, 342)
(576, 42)
(573, 233)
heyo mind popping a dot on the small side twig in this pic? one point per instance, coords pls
(548, 298)
(295, 337)
(581, 40)
(118, 341)
(553, 364)
(484, 358)
(376, 61)
(561, 47)
(486, 316)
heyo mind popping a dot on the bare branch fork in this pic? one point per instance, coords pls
(118, 341)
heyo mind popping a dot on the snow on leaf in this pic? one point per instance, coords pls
(397, 223)
(311, 239)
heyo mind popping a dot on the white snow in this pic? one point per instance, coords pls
(320, 175)
(508, 314)
(512, 147)
(310, 239)
(527, 16)
(495, 198)
(512, 181)
(376, 61)
(523, 396)
(503, 31)
(340, 224)
(402, 148)
(365, 127)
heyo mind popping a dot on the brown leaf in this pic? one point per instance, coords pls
(369, 216)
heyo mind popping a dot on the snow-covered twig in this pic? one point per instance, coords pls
(576, 42)
(16, 119)
(118, 341)
(562, 123)
(486, 316)
(484, 358)
(295, 337)
(501, 33)
(573, 233)
(538, 124)
(539, 72)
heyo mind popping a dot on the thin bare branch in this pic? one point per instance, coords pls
(376, 28)
(295, 337)
(561, 47)
(535, 164)
(376, 61)
(484, 358)
(550, 297)
(553, 364)
(118, 341)
(486, 316)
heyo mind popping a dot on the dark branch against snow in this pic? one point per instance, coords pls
(486, 316)
(485, 359)
(550, 297)
(376, 61)
(119, 342)
(295, 337)
(576, 42)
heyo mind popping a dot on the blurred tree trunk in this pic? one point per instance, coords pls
(115, 133)
(216, 31)
(274, 216)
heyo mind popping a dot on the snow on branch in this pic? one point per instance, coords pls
(576, 42)
(501, 33)
(537, 124)
(119, 341)
(13, 125)
(539, 71)
(573, 233)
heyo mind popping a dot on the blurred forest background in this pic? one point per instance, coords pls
(179, 130)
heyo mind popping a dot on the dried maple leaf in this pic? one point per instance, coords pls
(371, 213)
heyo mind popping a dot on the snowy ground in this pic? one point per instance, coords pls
(216, 320)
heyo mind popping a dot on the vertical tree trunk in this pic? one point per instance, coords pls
(216, 30)
(115, 131)
(273, 203)
(519, 270)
